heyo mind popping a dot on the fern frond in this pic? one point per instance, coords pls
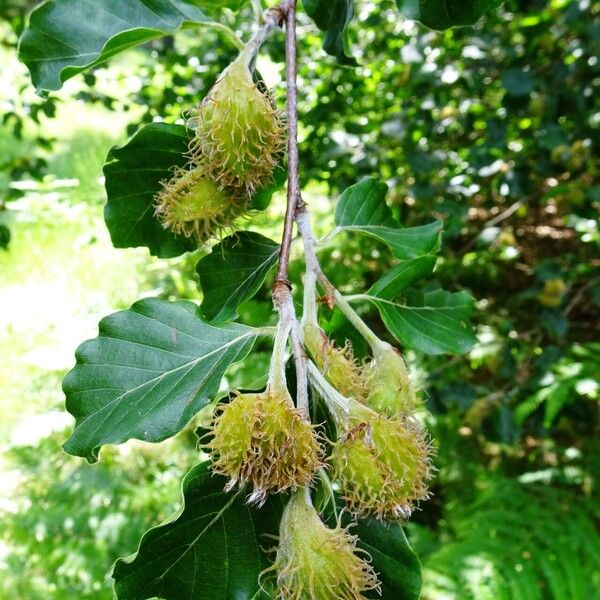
(517, 542)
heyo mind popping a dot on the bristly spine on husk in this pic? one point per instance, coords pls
(263, 441)
(192, 204)
(390, 390)
(338, 365)
(315, 562)
(239, 134)
(381, 463)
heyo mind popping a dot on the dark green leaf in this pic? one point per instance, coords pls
(133, 174)
(149, 371)
(333, 18)
(397, 565)
(234, 272)
(66, 37)
(211, 550)
(362, 207)
(4, 236)
(396, 280)
(517, 82)
(218, 4)
(442, 14)
(434, 322)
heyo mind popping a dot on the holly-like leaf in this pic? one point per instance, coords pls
(398, 567)
(133, 175)
(433, 322)
(234, 272)
(211, 550)
(67, 37)
(362, 207)
(333, 17)
(397, 279)
(149, 371)
(442, 14)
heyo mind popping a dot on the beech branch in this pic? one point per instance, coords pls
(282, 289)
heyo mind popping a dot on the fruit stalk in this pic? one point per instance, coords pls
(312, 265)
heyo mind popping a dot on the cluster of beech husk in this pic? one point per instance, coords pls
(238, 141)
(261, 442)
(380, 460)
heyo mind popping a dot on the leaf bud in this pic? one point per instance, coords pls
(315, 562)
(262, 440)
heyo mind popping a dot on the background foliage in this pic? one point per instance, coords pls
(493, 129)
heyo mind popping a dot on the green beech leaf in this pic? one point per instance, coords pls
(397, 279)
(210, 550)
(67, 37)
(442, 14)
(133, 173)
(149, 371)
(362, 207)
(219, 4)
(333, 18)
(432, 322)
(397, 565)
(234, 272)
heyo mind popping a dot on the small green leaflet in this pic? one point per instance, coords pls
(435, 322)
(211, 550)
(67, 37)
(442, 14)
(133, 175)
(333, 18)
(149, 371)
(362, 207)
(234, 272)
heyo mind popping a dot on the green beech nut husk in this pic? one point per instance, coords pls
(239, 135)
(382, 464)
(338, 365)
(389, 388)
(315, 562)
(263, 441)
(193, 205)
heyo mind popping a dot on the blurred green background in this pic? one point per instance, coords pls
(495, 129)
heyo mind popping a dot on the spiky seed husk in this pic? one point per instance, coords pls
(389, 388)
(262, 440)
(239, 135)
(315, 562)
(193, 205)
(382, 464)
(338, 365)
